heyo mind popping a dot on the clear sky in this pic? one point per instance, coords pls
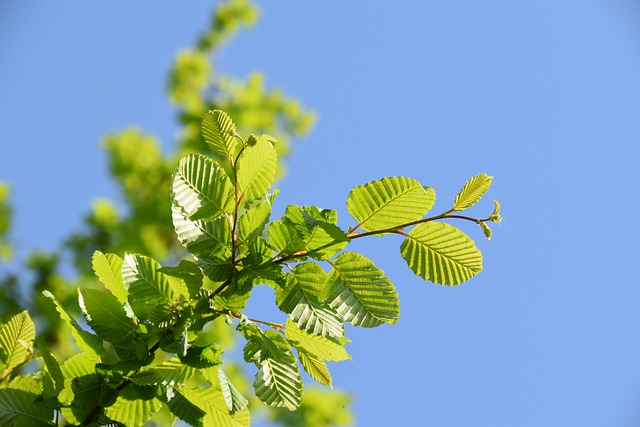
(542, 94)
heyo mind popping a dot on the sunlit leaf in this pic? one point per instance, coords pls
(328, 349)
(212, 402)
(203, 238)
(257, 169)
(201, 188)
(219, 132)
(16, 337)
(134, 406)
(360, 292)
(234, 399)
(299, 297)
(108, 269)
(146, 284)
(316, 368)
(389, 202)
(472, 191)
(88, 343)
(106, 316)
(441, 253)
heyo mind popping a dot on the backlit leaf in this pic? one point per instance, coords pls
(145, 282)
(106, 316)
(299, 297)
(212, 402)
(16, 337)
(257, 169)
(88, 343)
(472, 191)
(108, 269)
(360, 292)
(202, 238)
(328, 349)
(201, 188)
(316, 368)
(388, 202)
(441, 253)
(218, 130)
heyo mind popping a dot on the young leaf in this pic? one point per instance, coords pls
(257, 169)
(170, 372)
(203, 238)
(328, 349)
(189, 274)
(106, 316)
(253, 220)
(388, 202)
(145, 282)
(201, 188)
(108, 269)
(134, 406)
(185, 410)
(360, 292)
(16, 337)
(487, 231)
(322, 238)
(299, 297)
(234, 399)
(52, 367)
(279, 384)
(472, 191)
(441, 253)
(19, 407)
(88, 343)
(316, 368)
(212, 402)
(218, 130)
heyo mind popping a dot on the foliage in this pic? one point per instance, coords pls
(149, 339)
(147, 347)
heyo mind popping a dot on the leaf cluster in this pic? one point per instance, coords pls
(143, 348)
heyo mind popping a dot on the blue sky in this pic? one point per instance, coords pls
(543, 95)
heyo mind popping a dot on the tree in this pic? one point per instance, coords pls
(158, 332)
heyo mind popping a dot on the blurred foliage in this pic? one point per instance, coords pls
(140, 221)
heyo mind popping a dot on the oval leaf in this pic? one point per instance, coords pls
(360, 292)
(383, 204)
(218, 130)
(441, 253)
(472, 191)
(257, 169)
(201, 188)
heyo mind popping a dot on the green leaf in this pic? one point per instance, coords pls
(257, 169)
(219, 132)
(278, 381)
(299, 297)
(185, 410)
(360, 292)
(108, 269)
(134, 406)
(234, 399)
(253, 220)
(145, 282)
(322, 238)
(106, 316)
(284, 239)
(487, 231)
(212, 402)
(389, 202)
(170, 372)
(88, 343)
(316, 368)
(19, 407)
(279, 384)
(189, 274)
(16, 338)
(202, 188)
(441, 253)
(51, 367)
(203, 238)
(216, 269)
(472, 191)
(323, 348)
